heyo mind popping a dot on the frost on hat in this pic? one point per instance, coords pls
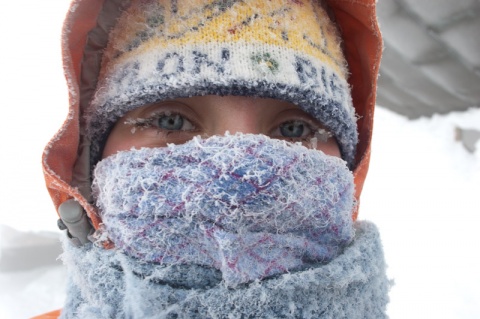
(282, 49)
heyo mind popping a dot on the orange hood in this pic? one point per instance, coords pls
(363, 47)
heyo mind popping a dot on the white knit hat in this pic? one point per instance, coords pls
(283, 49)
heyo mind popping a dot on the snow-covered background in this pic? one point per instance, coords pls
(422, 191)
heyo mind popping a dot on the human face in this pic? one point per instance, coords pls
(178, 121)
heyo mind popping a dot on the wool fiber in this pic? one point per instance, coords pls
(247, 205)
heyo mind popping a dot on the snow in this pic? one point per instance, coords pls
(422, 191)
(422, 188)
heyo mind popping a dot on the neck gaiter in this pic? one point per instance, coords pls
(246, 205)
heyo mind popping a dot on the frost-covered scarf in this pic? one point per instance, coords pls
(238, 226)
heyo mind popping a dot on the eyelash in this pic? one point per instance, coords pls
(146, 123)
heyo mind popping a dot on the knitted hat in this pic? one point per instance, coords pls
(282, 49)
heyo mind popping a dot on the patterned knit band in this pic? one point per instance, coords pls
(281, 49)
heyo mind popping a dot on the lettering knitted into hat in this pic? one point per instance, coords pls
(247, 205)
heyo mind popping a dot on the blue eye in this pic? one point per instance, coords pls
(293, 129)
(173, 122)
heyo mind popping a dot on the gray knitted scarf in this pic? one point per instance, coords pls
(107, 284)
(238, 226)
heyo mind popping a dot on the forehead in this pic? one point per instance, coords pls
(224, 104)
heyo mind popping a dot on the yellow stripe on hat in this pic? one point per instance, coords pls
(301, 25)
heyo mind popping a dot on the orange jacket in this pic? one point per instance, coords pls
(363, 48)
(51, 315)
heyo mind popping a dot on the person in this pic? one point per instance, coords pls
(213, 159)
